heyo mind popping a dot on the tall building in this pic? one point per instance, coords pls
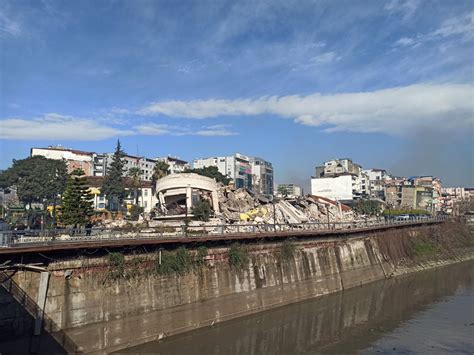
(252, 173)
(340, 179)
(262, 176)
(377, 179)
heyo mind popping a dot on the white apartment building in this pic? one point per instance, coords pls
(75, 159)
(289, 190)
(339, 188)
(145, 165)
(340, 179)
(253, 173)
(145, 196)
(377, 179)
(176, 165)
(236, 166)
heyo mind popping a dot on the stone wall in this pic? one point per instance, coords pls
(98, 314)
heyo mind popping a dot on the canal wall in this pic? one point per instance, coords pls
(98, 304)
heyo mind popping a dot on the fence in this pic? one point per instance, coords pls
(60, 236)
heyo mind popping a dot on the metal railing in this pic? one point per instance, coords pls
(16, 238)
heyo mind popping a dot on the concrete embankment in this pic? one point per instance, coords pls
(98, 304)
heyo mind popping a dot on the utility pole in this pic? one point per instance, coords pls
(274, 214)
(327, 212)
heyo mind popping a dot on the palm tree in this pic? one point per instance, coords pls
(160, 170)
(135, 179)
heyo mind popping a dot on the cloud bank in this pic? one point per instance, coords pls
(395, 111)
(61, 127)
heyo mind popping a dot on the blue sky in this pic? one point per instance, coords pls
(388, 83)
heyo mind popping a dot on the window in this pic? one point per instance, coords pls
(145, 192)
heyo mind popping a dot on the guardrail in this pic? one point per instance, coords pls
(16, 238)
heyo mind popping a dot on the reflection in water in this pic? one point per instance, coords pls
(398, 315)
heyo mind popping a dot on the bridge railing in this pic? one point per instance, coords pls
(15, 238)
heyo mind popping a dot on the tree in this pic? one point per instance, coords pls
(283, 190)
(77, 207)
(135, 181)
(202, 210)
(113, 186)
(160, 170)
(211, 172)
(37, 179)
(135, 212)
(367, 207)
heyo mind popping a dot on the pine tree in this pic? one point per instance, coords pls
(113, 186)
(77, 201)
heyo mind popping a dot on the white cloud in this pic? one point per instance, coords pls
(454, 26)
(405, 41)
(461, 25)
(8, 26)
(154, 129)
(394, 111)
(56, 126)
(406, 7)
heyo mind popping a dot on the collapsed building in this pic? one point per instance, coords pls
(178, 193)
(242, 206)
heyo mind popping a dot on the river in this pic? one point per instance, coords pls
(430, 312)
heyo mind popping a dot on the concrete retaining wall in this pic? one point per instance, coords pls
(98, 315)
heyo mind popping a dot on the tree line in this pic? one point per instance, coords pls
(46, 181)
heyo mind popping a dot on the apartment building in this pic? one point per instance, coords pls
(176, 165)
(289, 190)
(253, 173)
(340, 179)
(75, 159)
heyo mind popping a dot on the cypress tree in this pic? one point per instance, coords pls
(77, 200)
(113, 186)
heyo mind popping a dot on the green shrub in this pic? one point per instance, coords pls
(179, 262)
(202, 252)
(116, 265)
(287, 250)
(135, 212)
(238, 256)
(202, 210)
(424, 248)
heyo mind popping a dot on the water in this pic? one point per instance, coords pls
(430, 312)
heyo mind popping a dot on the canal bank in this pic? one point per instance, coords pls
(428, 312)
(98, 304)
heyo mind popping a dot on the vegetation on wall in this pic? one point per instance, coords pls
(238, 256)
(179, 262)
(287, 250)
(116, 266)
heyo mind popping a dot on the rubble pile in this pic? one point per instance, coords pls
(241, 206)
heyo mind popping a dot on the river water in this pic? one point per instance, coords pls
(430, 312)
